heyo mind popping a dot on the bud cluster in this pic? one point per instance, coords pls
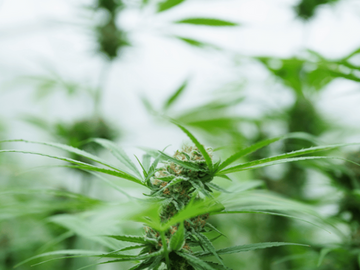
(175, 184)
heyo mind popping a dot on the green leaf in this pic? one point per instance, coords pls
(168, 4)
(119, 153)
(176, 95)
(285, 157)
(129, 238)
(243, 248)
(178, 239)
(198, 145)
(216, 187)
(209, 246)
(81, 165)
(152, 168)
(218, 266)
(194, 260)
(261, 144)
(68, 149)
(175, 181)
(207, 22)
(196, 43)
(61, 252)
(323, 253)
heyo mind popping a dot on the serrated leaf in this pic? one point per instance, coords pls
(285, 157)
(194, 260)
(212, 227)
(207, 22)
(176, 95)
(178, 239)
(198, 145)
(218, 266)
(152, 168)
(252, 148)
(209, 246)
(200, 187)
(68, 149)
(216, 187)
(243, 248)
(119, 153)
(168, 4)
(129, 238)
(81, 165)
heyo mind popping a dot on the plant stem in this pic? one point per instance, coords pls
(163, 240)
(99, 90)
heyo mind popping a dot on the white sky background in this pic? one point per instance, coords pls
(38, 34)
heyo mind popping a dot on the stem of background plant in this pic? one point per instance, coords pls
(99, 90)
(163, 240)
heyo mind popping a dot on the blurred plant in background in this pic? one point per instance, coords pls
(75, 221)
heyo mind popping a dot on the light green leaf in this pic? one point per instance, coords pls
(207, 22)
(178, 239)
(119, 153)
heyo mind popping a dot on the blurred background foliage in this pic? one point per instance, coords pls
(49, 209)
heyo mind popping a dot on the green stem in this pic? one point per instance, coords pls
(163, 240)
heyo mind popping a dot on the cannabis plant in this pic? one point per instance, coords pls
(181, 196)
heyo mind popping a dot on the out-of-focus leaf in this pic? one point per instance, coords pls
(119, 153)
(175, 95)
(168, 4)
(207, 22)
(196, 43)
(178, 239)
